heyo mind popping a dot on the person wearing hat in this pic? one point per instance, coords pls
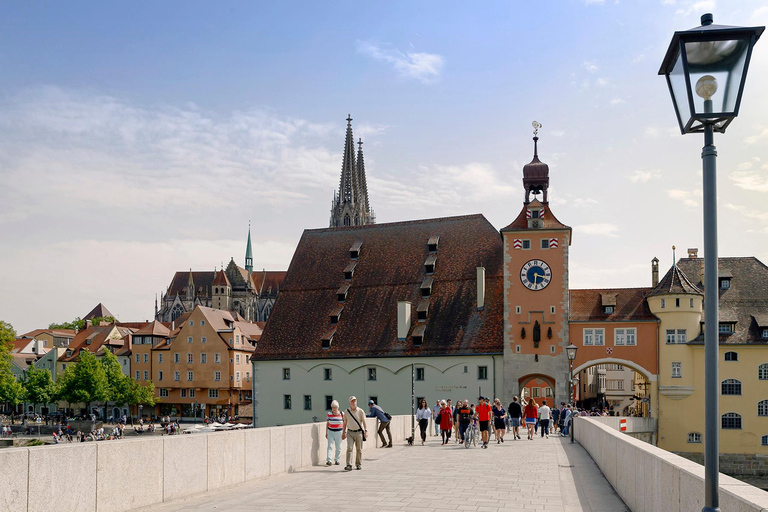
(483, 411)
(354, 430)
(384, 418)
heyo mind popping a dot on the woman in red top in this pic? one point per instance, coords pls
(531, 414)
(446, 422)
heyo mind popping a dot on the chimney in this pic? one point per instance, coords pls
(403, 319)
(655, 272)
(480, 288)
(693, 252)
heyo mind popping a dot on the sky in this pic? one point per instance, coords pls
(141, 138)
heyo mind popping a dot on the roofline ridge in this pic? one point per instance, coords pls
(397, 223)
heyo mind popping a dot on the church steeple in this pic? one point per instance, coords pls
(248, 252)
(350, 205)
(536, 173)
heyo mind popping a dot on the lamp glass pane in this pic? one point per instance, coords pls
(723, 60)
(679, 89)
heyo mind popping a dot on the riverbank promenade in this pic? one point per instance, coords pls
(539, 475)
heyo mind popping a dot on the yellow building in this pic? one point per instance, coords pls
(743, 355)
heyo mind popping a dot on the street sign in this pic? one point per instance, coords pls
(623, 425)
(202, 406)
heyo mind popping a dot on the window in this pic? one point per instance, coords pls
(677, 302)
(371, 373)
(725, 284)
(419, 373)
(203, 340)
(160, 375)
(594, 336)
(764, 440)
(762, 408)
(526, 244)
(535, 392)
(725, 328)
(247, 376)
(217, 358)
(552, 309)
(517, 350)
(189, 339)
(677, 370)
(676, 336)
(762, 371)
(589, 338)
(730, 387)
(286, 401)
(625, 336)
(192, 393)
(190, 358)
(608, 309)
(191, 323)
(694, 437)
(190, 375)
(545, 243)
(176, 358)
(375, 399)
(466, 369)
(183, 393)
(328, 400)
(731, 356)
(482, 373)
(765, 333)
(237, 339)
(237, 358)
(307, 402)
(137, 358)
(164, 392)
(203, 358)
(177, 376)
(146, 374)
(213, 393)
(518, 309)
(730, 420)
(237, 376)
(327, 374)
(138, 374)
(217, 376)
(286, 374)
(146, 358)
(690, 303)
(160, 357)
(663, 303)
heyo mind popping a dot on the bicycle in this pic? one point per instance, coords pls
(472, 434)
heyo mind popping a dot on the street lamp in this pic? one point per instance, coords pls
(570, 351)
(715, 59)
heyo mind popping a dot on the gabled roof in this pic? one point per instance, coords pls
(675, 282)
(221, 279)
(202, 280)
(99, 311)
(548, 222)
(630, 305)
(154, 328)
(268, 281)
(390, 269)
(99, 337)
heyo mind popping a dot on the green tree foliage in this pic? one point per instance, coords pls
(10, 388)
(78, 325)
(118, 384)
(83, 382)
(38, 386)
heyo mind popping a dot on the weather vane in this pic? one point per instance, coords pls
(536, 125)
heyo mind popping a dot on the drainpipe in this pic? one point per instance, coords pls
(494, 375)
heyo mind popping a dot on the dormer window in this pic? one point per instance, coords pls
(327, 339)
(422, 310)
(432, 243)
(426, 287)
(608, 309)
(725, 283)
(418, 335)
(341, 293)
(354, 251)
(336, 313)
(429, 264)
(349, 270)
(69, 353)
(725, 327)
(765, 334)
(608, 301)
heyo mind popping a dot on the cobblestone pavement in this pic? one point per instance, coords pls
(539, 475)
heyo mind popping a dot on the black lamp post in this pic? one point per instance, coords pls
(706, 68)
(570, 351)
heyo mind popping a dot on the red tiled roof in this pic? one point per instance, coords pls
(201, 279)
(390, 268)
(268, 281)
(99, 311)
(153, 328)
(221, 279)
(98, 337)
(630, 305)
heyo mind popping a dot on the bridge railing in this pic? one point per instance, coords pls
(115, 476)
(649, 478)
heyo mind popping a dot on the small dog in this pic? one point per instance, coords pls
(410, 441)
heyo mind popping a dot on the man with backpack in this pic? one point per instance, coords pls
(384, 419)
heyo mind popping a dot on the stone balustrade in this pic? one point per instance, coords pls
(115, 476)
(651, 479)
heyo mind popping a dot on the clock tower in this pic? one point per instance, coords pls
(536, 291)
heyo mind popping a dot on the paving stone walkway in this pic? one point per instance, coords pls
(539, 475)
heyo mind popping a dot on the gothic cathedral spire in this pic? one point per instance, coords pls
(249, 253)
(350, 205)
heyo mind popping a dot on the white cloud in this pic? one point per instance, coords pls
(598, 229)
(688, 198)
(639, 58)
(755, 138)
(588, 2)
(557, 133)
(697, 8)
(425, 67)
(601, 82)
(747, 212)
(617, 101)
(754, 180)
(645, 176)
(760, 14)
(590, 66)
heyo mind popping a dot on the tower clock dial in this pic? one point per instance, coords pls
(535, 275)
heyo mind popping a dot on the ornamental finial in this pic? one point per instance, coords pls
(536, 125)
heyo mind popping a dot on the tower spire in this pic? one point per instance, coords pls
(248, 252)
(350, 205)
(536, 173)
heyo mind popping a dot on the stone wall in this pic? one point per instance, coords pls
(649, 478)
(115, 476)
(735, 464)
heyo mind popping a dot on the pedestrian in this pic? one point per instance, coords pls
(498, 420)
(435, 413)
(531, 414)
(355, 432)
(483, 412)
(333, 427)
(515, 414)
(567, 420)
(465, 418)
(384, 419)
(545, 414)
(445, 419)
(555, 419)
(455, 416)
(422, 416)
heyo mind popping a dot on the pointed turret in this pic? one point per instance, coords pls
(350, 205)
(248, 252)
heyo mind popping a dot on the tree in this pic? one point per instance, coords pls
(78, 324)
(139, 394)
(118, 384)
(10, 388)
(38, 386)
(83, 382)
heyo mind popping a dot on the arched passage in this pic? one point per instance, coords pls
(529, 391)
(624, 386)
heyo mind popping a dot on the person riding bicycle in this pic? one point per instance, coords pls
(465, 417)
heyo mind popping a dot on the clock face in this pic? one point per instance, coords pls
(535, 275)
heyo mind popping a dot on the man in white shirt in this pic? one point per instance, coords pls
(544, 416)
